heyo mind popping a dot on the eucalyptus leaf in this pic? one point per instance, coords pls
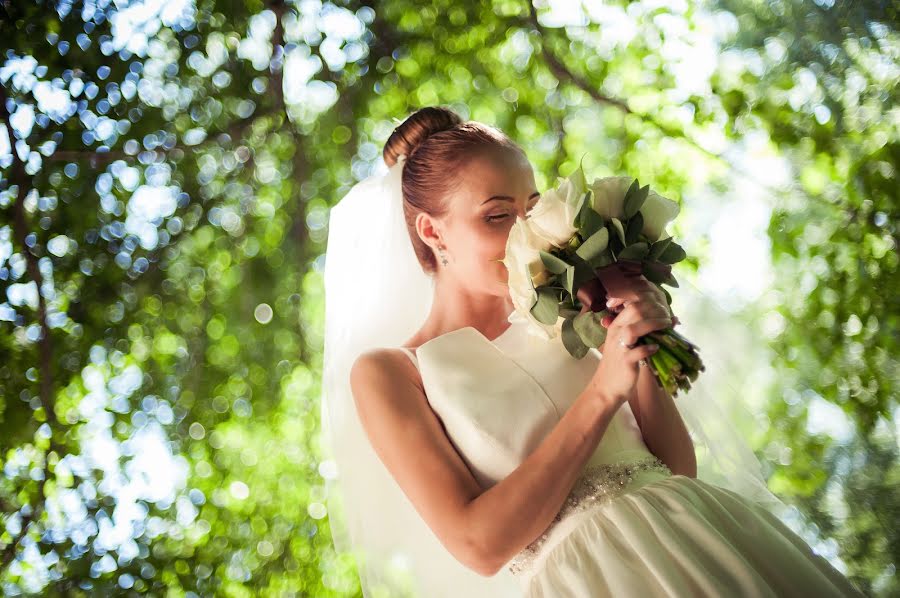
(569, 312)
(568, 308)
(635, 251)
(594, 245)
(553, 263)
(589, 328)
(581, 273)
(604, 258)
(572, 341)
(546, 308)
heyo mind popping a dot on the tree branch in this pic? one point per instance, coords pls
(562, 72)
(24, 183)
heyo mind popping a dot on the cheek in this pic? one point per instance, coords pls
(482, 248)
(488, 250)
(490, 244)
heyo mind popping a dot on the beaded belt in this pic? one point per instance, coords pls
(598, 484)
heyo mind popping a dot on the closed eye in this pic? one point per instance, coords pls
(497, 217)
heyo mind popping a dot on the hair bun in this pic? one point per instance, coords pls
(418, 127)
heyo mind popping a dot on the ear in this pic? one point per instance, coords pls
(428, 229)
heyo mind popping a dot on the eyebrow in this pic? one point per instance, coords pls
(507, 197)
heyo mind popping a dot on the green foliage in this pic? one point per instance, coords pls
(159, 395)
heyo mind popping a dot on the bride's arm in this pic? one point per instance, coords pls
(482, 529)
(661, 425)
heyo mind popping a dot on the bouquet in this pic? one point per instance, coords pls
(581, 239)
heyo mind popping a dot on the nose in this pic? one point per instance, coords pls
(522, 208)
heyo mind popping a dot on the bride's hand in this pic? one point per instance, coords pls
(631, 287)
(617, 373)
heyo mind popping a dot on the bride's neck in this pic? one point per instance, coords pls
(454, 307)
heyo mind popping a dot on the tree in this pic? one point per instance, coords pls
(166, 179)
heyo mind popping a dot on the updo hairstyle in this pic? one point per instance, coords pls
(437, 145)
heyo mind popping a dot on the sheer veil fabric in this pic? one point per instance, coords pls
(377, 295)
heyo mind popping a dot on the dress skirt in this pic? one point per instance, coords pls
(679, 536)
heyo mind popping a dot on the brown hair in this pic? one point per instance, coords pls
(437, 144)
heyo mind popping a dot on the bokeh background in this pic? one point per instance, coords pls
(167, 172)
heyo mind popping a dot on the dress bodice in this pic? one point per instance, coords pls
(498, 399)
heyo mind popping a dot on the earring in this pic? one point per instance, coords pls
(443, 256)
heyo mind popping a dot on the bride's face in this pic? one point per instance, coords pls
(495, 187)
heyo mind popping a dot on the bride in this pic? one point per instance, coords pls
(477, 459)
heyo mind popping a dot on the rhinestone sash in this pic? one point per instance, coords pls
(598, 484)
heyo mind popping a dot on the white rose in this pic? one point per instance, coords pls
(523, 247)
(523, 297)
(552, 216)
(609, 192)
(657, 211)
(526, 270)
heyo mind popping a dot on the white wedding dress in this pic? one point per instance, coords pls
(629, 527)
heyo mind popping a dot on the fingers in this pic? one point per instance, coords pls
(632, 332)
(638, 310)
(638, 295)
(641, 352)
(638, 352)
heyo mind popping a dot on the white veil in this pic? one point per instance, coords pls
(377, 295)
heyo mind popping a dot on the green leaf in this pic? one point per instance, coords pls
(569, 312)
(658, 247)
(632, 189)
(585, 209)
(583, 180)
(592, 223)
(567, 307)
(635, 251)
(568, 279)
(672, 254)
(652, 274)
(634, 201)
(572, 341)
(581, 273)
(633, 228)
(670, 280)
(594, 245)
(616, 226)
(604, 258)
(553, 263)
(546, 309)
(589, 328)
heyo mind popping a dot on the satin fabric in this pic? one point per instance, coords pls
(664, 535)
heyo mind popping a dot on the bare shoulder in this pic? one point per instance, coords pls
(384, 369)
